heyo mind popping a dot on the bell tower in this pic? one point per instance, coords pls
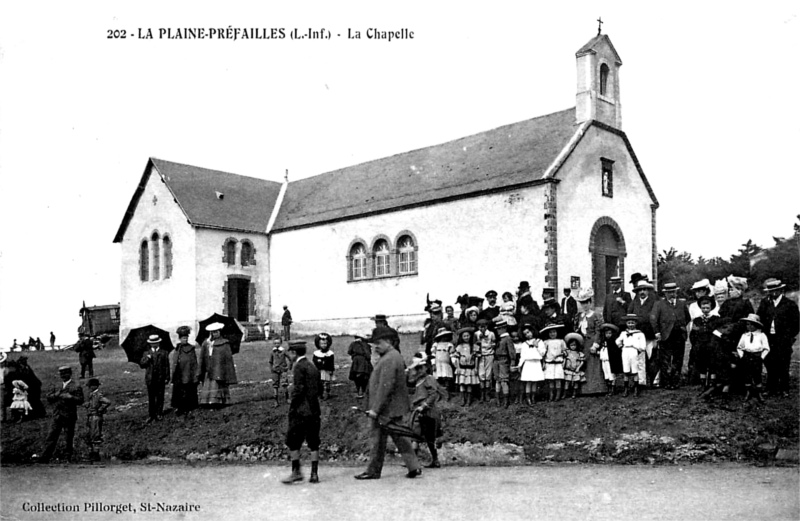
(598, 82)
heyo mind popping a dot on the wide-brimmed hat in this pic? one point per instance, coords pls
(548, 327)
(585, 295)
(323, 336)
(215, 326)
(154, 339)
(383, 332)
(463, 330)
(471, 309)
(491, 294)
(442, 333)
(417, 360)
(643, 284)
(475, 302)
(573, 336)
(773, 285)
(670, 286)
(610, 326)
(20, 384)
(702, 284)
(632, 316)
(753, 319)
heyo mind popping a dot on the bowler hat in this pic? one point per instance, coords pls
(93, 381)
(524, 285)
(636, 277)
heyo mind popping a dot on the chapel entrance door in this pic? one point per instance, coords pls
(238, 298)
(607, 253)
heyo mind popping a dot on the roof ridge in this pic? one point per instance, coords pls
(571, 109)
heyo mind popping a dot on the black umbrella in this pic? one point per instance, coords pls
(394, 428)
(135, 344)
(230, 330)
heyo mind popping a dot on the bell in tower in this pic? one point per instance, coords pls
(598, 82)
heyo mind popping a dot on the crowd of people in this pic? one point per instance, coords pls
(511, 353)
(519, 348)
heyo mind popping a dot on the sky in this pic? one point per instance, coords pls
(708, 91)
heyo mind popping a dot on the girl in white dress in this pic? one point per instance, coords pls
(530, 360)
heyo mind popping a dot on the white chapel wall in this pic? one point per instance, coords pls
(166, 303)
(212, 271)
(581, 204)
(465, 246)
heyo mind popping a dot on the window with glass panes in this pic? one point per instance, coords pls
(358, 262)
(381, 252)
(407, 255)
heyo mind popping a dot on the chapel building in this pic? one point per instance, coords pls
(559, 200)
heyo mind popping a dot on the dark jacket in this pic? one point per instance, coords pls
(736, 309)
(703, 331)
(614, 310)
(66, 401)
(186, 366)
(643, 312)
(219, 365)
(361, 356)
(286, 319)
(305, 390)
(572, 306)
(156, 366)
(786, 317)
(388, 393)
(670, 320)
(85, 350)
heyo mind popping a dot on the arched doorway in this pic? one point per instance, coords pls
(607, 246)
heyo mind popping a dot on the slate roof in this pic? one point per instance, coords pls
(504, 157)
(591, 44)
(246, 204)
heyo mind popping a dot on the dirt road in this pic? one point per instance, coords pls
(534, 492)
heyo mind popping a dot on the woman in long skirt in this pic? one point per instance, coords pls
(588, 323)
(217, 372)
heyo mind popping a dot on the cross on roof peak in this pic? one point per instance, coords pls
(599, 24)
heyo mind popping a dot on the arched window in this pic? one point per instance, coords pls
(167, 257)
(358, 262)
(407, 255)
(247, 253)
(156, 256)
(381, 253)
(603, 79)
(230, 252)
(144, 262)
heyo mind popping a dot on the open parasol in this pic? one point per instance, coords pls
(230, 330)
(135, 344)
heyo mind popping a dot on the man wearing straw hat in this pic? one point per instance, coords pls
(641, 306)
(781, 320)
(65, 414)
(155, 362)
(669, 319)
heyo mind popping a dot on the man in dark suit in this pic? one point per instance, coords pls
(155, 362)
(669, 319)
(85, 350)
(388, 403)
(491, 310)
(616, 304)
(781, 320)
(304, 414)
(65, 414)
(641, 306)
(569, 307)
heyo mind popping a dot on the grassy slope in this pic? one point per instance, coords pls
(658, 426)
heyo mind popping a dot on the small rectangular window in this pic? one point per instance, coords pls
(607, 177)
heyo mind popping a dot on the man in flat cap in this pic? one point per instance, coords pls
(388, 403)
(65, 414)
(304, 413)
(491, 310)
(781, 320)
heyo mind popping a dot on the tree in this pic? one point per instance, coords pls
(741, 263)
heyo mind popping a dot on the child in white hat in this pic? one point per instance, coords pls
(752, 349)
